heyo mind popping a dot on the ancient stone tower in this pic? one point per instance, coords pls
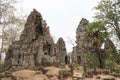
(81, 42)
(61, 52)
(35, 47)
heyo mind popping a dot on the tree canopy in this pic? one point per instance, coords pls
(108, 11)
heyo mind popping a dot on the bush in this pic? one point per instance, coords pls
(111, 65)
(1, 65)
(115, 57)
(92, 60)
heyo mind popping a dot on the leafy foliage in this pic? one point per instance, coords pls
(115, 57)
(109, 64)
(92, 60)
(108, 11)
(107, 16)
(97, 27)
(97, 33)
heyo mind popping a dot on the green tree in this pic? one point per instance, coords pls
(97, 34)
(92, 61)
(108, 11)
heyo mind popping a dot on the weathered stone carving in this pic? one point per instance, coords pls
(61, 52)
(75, 56)
(81, 42)
(35, 47)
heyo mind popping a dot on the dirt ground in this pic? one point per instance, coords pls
(51, 74)
(27, 75)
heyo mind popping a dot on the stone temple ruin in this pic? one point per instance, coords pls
(61, 50)
(83, 44)
(35, 47)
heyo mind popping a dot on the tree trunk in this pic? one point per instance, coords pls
(99, 57)
(2, 43)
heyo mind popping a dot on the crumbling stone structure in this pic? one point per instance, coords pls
(35, 47)
(61, 52)
(75, 56)
(83, 45)
(81, 41)
(110, 47)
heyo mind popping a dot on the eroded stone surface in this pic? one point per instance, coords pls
(81, 42)
(61, 51)
(35, 47)
(110, 47)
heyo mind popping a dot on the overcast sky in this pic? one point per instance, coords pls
(63, 16)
